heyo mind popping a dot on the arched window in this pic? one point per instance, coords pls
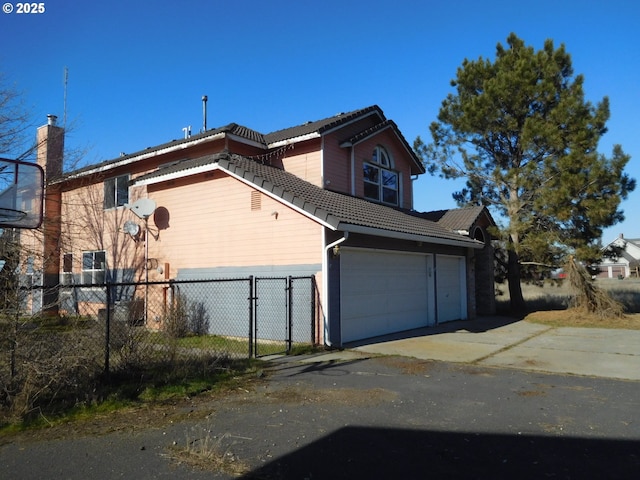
(478, 234)
(380, 181)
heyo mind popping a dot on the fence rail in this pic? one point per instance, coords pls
(138, 325)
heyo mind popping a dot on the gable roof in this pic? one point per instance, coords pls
(334, 210)
(322, 126)
(210, 135)
(458, 219)
(621, 244)
(318, 128)
(314, 129)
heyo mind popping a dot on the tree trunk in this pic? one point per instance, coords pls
(515, 287)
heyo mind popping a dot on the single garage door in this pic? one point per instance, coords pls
(384, 292)
(451, 288)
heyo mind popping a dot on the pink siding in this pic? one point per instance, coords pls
(212, 224)
(337, 160)
(304, 161)
(86, 226)
(337, 164)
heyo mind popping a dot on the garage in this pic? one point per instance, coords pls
(451, 288)
(382, 292)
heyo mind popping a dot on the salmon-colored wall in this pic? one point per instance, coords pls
(303, 160)
(87, 226)
(212, 223)
(214, 220)
(337, 164)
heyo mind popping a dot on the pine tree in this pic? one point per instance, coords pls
(522, 134)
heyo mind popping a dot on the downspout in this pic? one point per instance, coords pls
(413, 178)
(325, 283)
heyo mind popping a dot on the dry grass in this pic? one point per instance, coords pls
(550, 304)
(211, 453)
(580, 318)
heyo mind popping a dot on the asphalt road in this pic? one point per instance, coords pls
(385, 417)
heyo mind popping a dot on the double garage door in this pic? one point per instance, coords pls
(383, 292)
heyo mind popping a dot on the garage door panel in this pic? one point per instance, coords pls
(382, 292)
(451, 288)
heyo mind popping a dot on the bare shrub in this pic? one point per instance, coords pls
(186, 318)
(53, 369)
(198, 319)
(176, 320)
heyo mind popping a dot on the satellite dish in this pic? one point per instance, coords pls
(143, 208)
(132, 228)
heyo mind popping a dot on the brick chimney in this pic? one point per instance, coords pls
(50, 150)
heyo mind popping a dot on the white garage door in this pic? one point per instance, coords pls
(451, 288)
(383, 292)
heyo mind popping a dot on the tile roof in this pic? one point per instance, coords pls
(123, 158)
(337, 210)
(265, 140)
(455, 219)
(321, 126)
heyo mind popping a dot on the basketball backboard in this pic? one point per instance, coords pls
(21, 194)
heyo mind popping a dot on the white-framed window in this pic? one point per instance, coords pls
(380, 181)
(67, 269)
(116, 191)
(94, 267)
(29, 271)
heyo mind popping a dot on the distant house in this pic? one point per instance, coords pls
(621, 259)
(331, 198)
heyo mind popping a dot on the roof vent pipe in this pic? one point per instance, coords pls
(204, 113)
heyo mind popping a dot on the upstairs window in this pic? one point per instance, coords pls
(93, 267)
(380, 182)
(116, 191)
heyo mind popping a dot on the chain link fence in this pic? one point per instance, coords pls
(95, 332)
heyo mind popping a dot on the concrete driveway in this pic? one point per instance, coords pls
(505, 342)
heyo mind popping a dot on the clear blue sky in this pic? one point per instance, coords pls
(138, 69)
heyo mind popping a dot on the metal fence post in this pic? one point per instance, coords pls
(290, 314)
(312, 283)
(107, 329)
(251, 316)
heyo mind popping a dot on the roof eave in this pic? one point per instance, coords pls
(246, 141)
(380, 232)
(288, 141)
(176, 175)
(374, 111)
(141, 156)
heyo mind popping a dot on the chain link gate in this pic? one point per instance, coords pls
(272, 332)
(284, 314)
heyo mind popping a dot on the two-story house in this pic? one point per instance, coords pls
(331, 198)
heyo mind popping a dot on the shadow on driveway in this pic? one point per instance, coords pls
(363, 452)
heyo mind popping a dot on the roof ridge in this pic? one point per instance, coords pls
(320, 125)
